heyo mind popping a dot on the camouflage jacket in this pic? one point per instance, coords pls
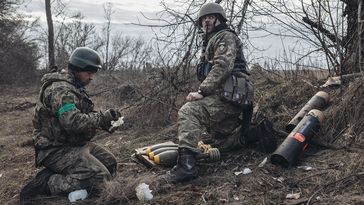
(223, 50)
(64, 114)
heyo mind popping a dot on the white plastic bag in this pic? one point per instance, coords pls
(77, 195)
(143, 192)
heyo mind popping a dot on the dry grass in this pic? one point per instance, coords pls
(337, 175)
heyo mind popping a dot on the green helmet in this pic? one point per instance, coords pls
(84, 59)
(211, 8)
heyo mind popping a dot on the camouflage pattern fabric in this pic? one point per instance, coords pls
(55, 126)
(220, 119)
(222, 50)
(64, 122)
(79, 168)
(210, 114)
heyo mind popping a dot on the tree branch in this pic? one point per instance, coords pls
(319, 27)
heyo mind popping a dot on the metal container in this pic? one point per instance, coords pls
(297, 141)
(318, 101)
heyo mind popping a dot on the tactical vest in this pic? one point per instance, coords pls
(48, 131)
(237, 88)
(205, 64)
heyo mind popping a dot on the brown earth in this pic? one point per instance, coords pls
(336, 154)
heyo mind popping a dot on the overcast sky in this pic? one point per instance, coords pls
(125, 12)
(129, 11)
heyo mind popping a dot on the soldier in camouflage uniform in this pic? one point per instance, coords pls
(65, 122)
(206, 111)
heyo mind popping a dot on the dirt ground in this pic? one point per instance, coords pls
(335, 156)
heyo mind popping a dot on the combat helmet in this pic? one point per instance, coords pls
(84, 59)
(211, 8)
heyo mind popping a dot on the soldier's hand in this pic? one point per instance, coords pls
(108, 116)
(192, 96)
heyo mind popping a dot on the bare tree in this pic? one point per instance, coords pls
(329, 27)
(72, 33)
(361, 34)
(316, 28)
(51, 59)
(120, 48)
(18, 53)
(129, 53)
(108, 13)
(179, 38)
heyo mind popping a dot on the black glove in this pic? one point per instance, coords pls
(108, 116)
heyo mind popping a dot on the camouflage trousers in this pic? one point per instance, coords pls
(221, 120)
(76, 168)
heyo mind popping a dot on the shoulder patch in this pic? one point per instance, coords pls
(65, 108)
(221, 48)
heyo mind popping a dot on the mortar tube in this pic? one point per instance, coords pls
(168, 158)
(157, 146)
(160, 150)
(318, 101)
(297, 141)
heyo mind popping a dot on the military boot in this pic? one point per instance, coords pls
(185, 169)
(38, 186)
(267, 139)
(262, 135)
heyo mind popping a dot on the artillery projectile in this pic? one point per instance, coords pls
(160, 150)
(157, 146)
(318, 101)
(167, 153)
(168, 158)
(297, 141)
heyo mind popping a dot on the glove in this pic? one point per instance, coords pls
(108, 116)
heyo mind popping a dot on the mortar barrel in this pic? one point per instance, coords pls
(297, 141)
(318, 101)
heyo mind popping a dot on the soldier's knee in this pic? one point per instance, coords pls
(60, 184)
(185, 110)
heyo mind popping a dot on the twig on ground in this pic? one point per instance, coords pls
(333, 182)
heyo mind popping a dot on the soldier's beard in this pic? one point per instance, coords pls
(208, 28)
(85, 82)
(82, 80)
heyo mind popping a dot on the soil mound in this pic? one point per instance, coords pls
(331, 171)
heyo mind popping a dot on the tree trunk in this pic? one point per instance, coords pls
(51, 59)
(351, 62)
(108, 12)
(361, 34)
